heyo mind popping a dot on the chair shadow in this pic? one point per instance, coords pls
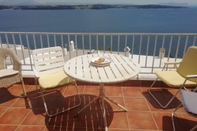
(5, 95)
(163, 99)
(90, 118)
(181, 124)
(53, 99)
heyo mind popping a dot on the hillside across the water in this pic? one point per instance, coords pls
(91, 6)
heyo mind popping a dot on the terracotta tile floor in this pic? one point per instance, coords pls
(19, 114)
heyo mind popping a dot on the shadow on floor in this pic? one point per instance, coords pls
(89, 119)
(181, 124)
(163, 96)
(5, 95)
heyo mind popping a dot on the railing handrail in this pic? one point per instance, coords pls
(94, 33)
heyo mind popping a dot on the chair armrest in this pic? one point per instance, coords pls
(171, 62)
(16, 61)
(17, 65)
(191, 76)
(168, 63)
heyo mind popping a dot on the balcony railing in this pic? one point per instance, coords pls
(148, 49)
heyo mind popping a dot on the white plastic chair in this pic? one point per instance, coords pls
(50, 74)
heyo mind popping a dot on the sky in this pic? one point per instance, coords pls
(190, 2)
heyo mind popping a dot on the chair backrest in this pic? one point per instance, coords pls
(188, 65)
(48, 60)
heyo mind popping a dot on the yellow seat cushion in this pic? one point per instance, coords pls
(173, 79)
(54, 80)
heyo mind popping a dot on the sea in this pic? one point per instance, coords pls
(166, 20)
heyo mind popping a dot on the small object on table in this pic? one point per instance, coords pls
(100, 60)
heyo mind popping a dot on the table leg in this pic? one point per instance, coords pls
(102, 96)
(116, 103)
(103, 105)
(88, 105)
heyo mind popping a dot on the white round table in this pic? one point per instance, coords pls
(120, 69)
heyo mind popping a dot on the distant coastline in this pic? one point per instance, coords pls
(91, 6)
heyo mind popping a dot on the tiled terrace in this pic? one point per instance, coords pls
(19, 114)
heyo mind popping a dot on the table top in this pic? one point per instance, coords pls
(120, 69)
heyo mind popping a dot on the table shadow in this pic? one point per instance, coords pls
(89, 119)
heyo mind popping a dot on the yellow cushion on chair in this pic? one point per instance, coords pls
(173, 79)
(54, 80)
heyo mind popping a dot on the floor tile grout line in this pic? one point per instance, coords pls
(5, 111)
(11, 106)
(153, 117)
(150, 110)
(154, 112)
(24, 116)
(127, 117)
(17, 128)
(18, 125)
(151, 113)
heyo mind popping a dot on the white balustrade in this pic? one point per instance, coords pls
(144, 48)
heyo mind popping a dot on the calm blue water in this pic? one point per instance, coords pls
(104, 21)
(111, 20)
